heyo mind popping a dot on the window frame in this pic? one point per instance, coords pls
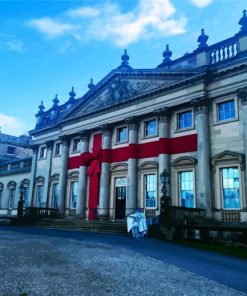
(146, 136)
(178, 172)
(216, 110)
(118, 141)
(145, 174)
(55, 149)
(14, 148)
(177, 113)
(43, 155)
(70, 194)
(75, 147)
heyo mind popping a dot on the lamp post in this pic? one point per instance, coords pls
(20, 203)
(165, 200)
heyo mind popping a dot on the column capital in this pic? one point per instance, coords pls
(35, 148)
(49, 144)
(84, 135)
(65, 139)
(200, 105)
(106, 129)
(163, 112)
(132, 122)
(242, 95)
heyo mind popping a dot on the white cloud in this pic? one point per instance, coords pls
(83, 12)
(11, 125)
(50, 27)
(149, 19)
(67, 46)
(15, 45)
(201, 3)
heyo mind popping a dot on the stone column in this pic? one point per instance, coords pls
(82, 180)
(104, 192)
(49, 147)
(63, 175)
(204, 195)
(164, 158)
(243, 97)
(31, 197)
(131, 201)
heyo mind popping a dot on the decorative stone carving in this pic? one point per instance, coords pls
(120, 90)
(242, 95)
(202, 39)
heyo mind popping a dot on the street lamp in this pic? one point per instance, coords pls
(164, 179)
(165, 200)
(20, 202)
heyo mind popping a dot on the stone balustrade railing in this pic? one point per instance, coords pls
(17, 166)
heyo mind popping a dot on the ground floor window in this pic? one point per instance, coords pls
(73, 194)
(11, 198)
(186, 189)
(40, 196)
(150, 190)
(1, 194)
(55, 194)
(230, 188)
(25, 196)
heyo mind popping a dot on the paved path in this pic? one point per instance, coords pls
(55, 262)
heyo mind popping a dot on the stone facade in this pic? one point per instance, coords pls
(101, 155)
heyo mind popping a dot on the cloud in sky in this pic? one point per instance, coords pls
(201, 3)
(50, 27)
(15, 45)
(148, 20)
(11, 125)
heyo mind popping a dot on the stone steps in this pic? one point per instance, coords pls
(83, 225)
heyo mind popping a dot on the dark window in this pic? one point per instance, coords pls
(185, 120)
(58, 149)
(76, 143)
(122, 134)
(226, 110)
(43, 151)
(11, 150)
(150, 128)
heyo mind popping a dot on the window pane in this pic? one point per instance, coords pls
(40, 196)
(73, 195)
(186, 189)
(150, 127)
(55, 194)
(226, 110)
(150, 191)
(122, 133)
(185, 120)
(230, 188)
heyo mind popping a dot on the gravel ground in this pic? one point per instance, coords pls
(40, 265)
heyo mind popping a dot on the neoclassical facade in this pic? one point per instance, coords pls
(101, 155)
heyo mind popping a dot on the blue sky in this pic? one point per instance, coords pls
(46, 47)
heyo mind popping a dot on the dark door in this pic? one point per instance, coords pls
(120, 193)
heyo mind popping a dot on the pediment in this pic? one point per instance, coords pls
(120, 88)
(228, 157)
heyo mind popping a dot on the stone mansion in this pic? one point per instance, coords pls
(101, 155)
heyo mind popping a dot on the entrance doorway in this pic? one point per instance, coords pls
(120, 197)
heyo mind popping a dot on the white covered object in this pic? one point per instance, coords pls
(137, 220)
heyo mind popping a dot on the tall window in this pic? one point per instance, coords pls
(150, 191)
(186, 189)
(43, 151)
(230, 188)
(1, 194)
(73, 194)
(122, 134)
(150, 128)
(76, 143)
(226, 110)
(57, 149)
(11, 150)
(40, 196)
(25, 196)
(185, 120)
(55, 194)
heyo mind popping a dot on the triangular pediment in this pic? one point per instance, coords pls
(121, 87)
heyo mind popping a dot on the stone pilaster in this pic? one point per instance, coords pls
(31, 197)
(82, 180)
(49, 146)
(63, 175)
(104, 192)
(164, 159)
(242, 95)
(131, 201)
(204, 195)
